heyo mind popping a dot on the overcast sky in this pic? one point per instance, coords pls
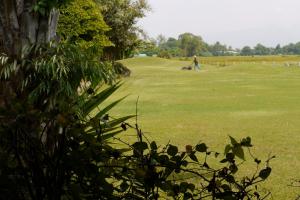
(233, 22)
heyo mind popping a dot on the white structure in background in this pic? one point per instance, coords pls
(140, 55)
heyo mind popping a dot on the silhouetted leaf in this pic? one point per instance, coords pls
(238, 151)
(230, 156)
(246, 142)
(141, 146)
(257, 161)
(227, 149)
(233, 141)
(172, 150)
(201, 147)
(265, 173)
(193, 157)
(123, 126)
(153, 145)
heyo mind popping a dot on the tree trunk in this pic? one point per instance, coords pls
(20, 26)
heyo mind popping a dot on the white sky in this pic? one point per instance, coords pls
(233, 22)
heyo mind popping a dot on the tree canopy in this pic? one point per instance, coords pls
(121, 16)
(81, 22)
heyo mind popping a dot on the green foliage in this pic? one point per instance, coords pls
(191, 44)
(44, 7)
(218, 49)
(186, 45)
(121, 16)
(246, 51)
(81, 23)
(53, 134)
(154, 173)
(164, 54)
(121, 70)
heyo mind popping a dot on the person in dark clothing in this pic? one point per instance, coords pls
(196, 64)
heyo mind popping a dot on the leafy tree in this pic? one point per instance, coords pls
(171, 43)
(121, 16)
(259, 49)
(161, 40)
(148, 47)
(81, 22)
(191, 44)
(291, 49)
(172, 46)
(218, 49)
(246, 51)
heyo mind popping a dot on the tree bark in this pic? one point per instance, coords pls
(20, 26)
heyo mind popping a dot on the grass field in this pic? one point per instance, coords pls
(257, 100)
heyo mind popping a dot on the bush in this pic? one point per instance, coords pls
(121, 69)
(164, 54)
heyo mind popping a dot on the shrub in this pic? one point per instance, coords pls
(121, 69)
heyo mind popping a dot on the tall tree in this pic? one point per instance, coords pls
(218, 49)
(246, 51)
(260, 49)
(122, 16)
(27, 22)
(191, 44)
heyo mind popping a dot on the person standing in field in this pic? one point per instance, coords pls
(196, 64)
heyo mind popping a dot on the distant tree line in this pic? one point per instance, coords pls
(259, 49)
(188, 44)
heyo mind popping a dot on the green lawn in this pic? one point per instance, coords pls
(257, 100)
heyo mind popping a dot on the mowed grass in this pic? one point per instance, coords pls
(257, 100)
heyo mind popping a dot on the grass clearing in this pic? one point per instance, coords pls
(246, 99)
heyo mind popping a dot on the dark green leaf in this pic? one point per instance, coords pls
(184, 163)
(230, 156)
(233, 141)
(123, 126)
(264, 174)
(238, 151)
(98, 99)
(193, 157)
(183, 187)
(205, 165)
(163, 159)
(124, 186)
(257, 161)
(230, 179)
(108, 108)
(90, 91)
(111, 135)
(233, 168)
(201, 147)
(187, 196)
(226, 187)
(140, 146)
(172, 150)
(153, 145)
(191, 187)
(227, 149)
(246, 142)
(118, 121)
